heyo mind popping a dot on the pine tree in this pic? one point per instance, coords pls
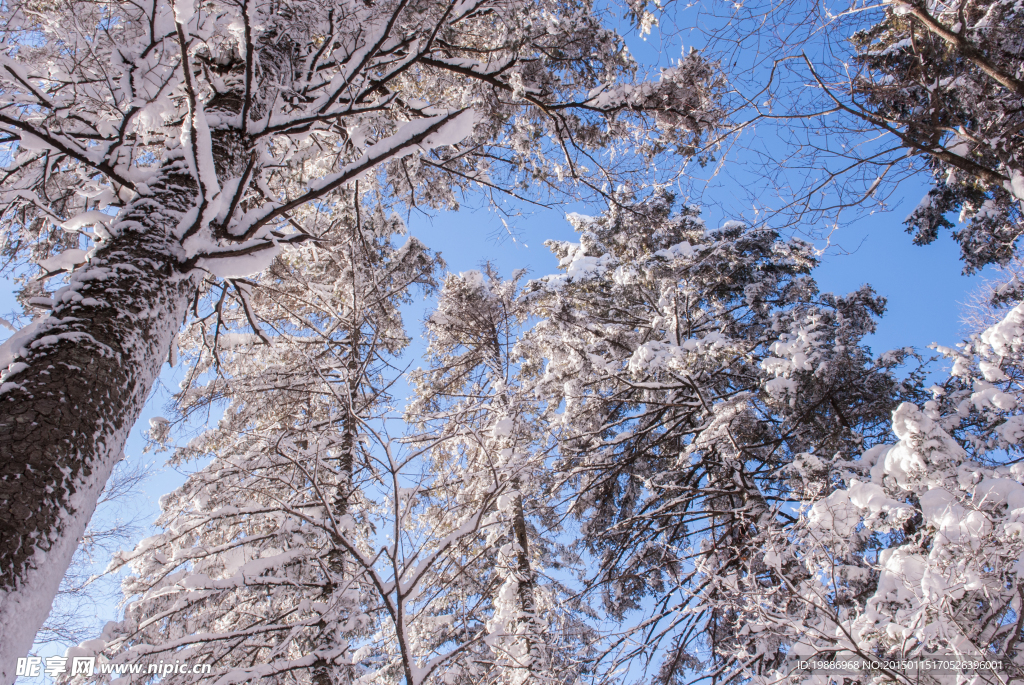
(315, 547)
(684, 370)
(943, 79)
(910, 551)
(261, 568)
(476, 402)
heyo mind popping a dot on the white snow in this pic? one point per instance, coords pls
(1015, 186)
(834, 513)
(66, 260)
(473, 279)
(1007, 337)
(184, 10)
(34, 143)
(239, 266)
(677, 251)
(18, 346)
(90, 218)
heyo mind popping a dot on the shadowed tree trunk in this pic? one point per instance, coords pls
(81, 378)
(531, 652)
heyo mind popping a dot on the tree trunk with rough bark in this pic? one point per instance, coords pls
(346, 462)
(77, 384)
(527, 584)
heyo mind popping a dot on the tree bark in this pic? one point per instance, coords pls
(77, 384)
(527, 583)
(346, 462)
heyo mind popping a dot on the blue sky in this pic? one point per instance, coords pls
(924, 285)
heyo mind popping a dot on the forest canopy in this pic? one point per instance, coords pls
(672, 458)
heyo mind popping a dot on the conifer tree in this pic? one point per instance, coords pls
(260, 570)
(684, 370)
(476, 400)
(151, 144)
(905, 559)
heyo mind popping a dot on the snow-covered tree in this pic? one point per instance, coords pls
(263, 564)
(944, 79)
(476, 398)
(859, 99)
(911, 551)
(684, 370)
(314, 547)
(84, 589)
(151, 143)
(675, 392)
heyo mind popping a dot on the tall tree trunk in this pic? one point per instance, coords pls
(346, 462)
(77, 384)
(527, 583)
